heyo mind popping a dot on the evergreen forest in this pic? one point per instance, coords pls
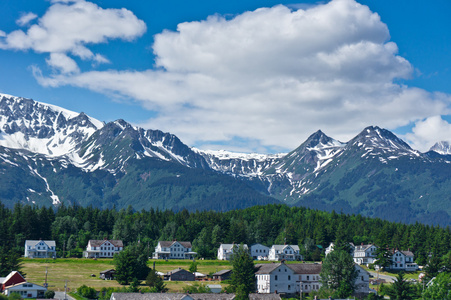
(72, 227)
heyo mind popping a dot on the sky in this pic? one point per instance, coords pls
(246, 76)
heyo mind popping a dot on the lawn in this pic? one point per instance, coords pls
(78, 271)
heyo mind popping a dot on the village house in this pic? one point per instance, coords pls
(259, 252)
(170, 296)
(365, 254)
(174, 250)
(288, 279)
(107, 274)
(103, 248)
(222, 275)
(225, 251)
(362, 283)
(179, 275)
(15, 283)
(403, 260)
(40, 249)
(284, 252)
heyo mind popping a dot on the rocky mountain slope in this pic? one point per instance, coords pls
(50, 156)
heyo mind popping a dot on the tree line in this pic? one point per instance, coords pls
(73, 226)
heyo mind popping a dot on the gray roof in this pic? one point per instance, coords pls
(170, 296)
(35, 242)
(264, 297)
(108, 271)
(296, 268)
(230, 246)
(168, 244)
(98, 243)
(176, 271)
(222, 272)
(281, 247)
(407, 253)
(363, 247)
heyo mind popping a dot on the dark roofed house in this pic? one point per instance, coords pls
(179, 275)
(222, 275)
(174, 250)
(107, 274)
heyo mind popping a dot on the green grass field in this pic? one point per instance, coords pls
(78, 272)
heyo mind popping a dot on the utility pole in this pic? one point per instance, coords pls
(65, 291)
(46, 272)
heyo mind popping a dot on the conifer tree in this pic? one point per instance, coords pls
(243, 273)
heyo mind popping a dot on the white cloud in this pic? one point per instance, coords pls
(275, 75)
(68, 26)
(62, 63)
(26, 19)
(429, 131)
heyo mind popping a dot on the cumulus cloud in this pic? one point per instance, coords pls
(429, 131)
(26, 19)
(274, 75)
(68, 26)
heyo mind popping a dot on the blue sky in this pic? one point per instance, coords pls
(238, 75)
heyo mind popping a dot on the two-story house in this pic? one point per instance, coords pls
(259, 251)
(174, 250)
(40, 249)
(289, 279)
(16, 283)
(284, 252)
(403, 260)
(225, 251)
(365, 254)
(103, 248)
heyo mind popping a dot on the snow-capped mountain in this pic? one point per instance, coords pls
(42, 128)
(443, 148)
(49, 156)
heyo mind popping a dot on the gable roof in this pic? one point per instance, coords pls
(222, 272)
(266, 268)
(170, 296)
(168, 244)
(230, 246)
(296, 268)
(407, 253)
(282, 247)
(363, 247)
(98, 243)
(13, 277)
(33, 243)
(177, 270)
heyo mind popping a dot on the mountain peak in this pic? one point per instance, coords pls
(374, 136)
(443, 147)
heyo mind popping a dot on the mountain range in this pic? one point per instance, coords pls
(52, 156)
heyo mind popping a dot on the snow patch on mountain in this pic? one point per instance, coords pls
(443, 148)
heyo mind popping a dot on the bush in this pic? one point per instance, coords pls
(87, 292)
(49, 294)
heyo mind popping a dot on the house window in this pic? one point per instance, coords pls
(289, 287)
(289, 277)
(275, 277)
(308, 277)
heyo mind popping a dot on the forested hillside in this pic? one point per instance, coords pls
(72, 227)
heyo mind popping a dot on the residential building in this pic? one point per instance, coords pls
(362, 282)
(225, 251)
(365, 254)
(222, 275)
(330, 248)
(284, 252)
(107, 274)
(288, 278)
(16, 283)
(40, 249)
(174, 250)
(103, 248)
(179, 275)
(403, 260)
(259, 251)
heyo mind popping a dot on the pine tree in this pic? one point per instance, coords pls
(155, 282)
(338, 273)
(401, 289)
(131, 263)
(243, 273)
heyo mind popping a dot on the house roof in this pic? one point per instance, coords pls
(168, 244)
(176, 271)
(407, 253)
(230, 246)
(170, 296)
(363, 247)
(4, 280)
(98, 243)
(258, 244)
(264, 297)
(296, 268)
(108, 271)
(222, 272)
(17, 286)
(35, 242)
(281, 247)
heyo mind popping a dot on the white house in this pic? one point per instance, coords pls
(365, 254)
(40, 249)
(103, 248)
(174, 250)
(26, 290)
(284, 252)
(289, 279)
(259, 251)
(403, 260)
(225, 251)
(362, 282)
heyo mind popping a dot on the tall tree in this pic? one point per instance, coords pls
(338, 273)
(440, 287)
(243, 273)
(155, 282)
(383, 258)
(401, 289)
(131, 263)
